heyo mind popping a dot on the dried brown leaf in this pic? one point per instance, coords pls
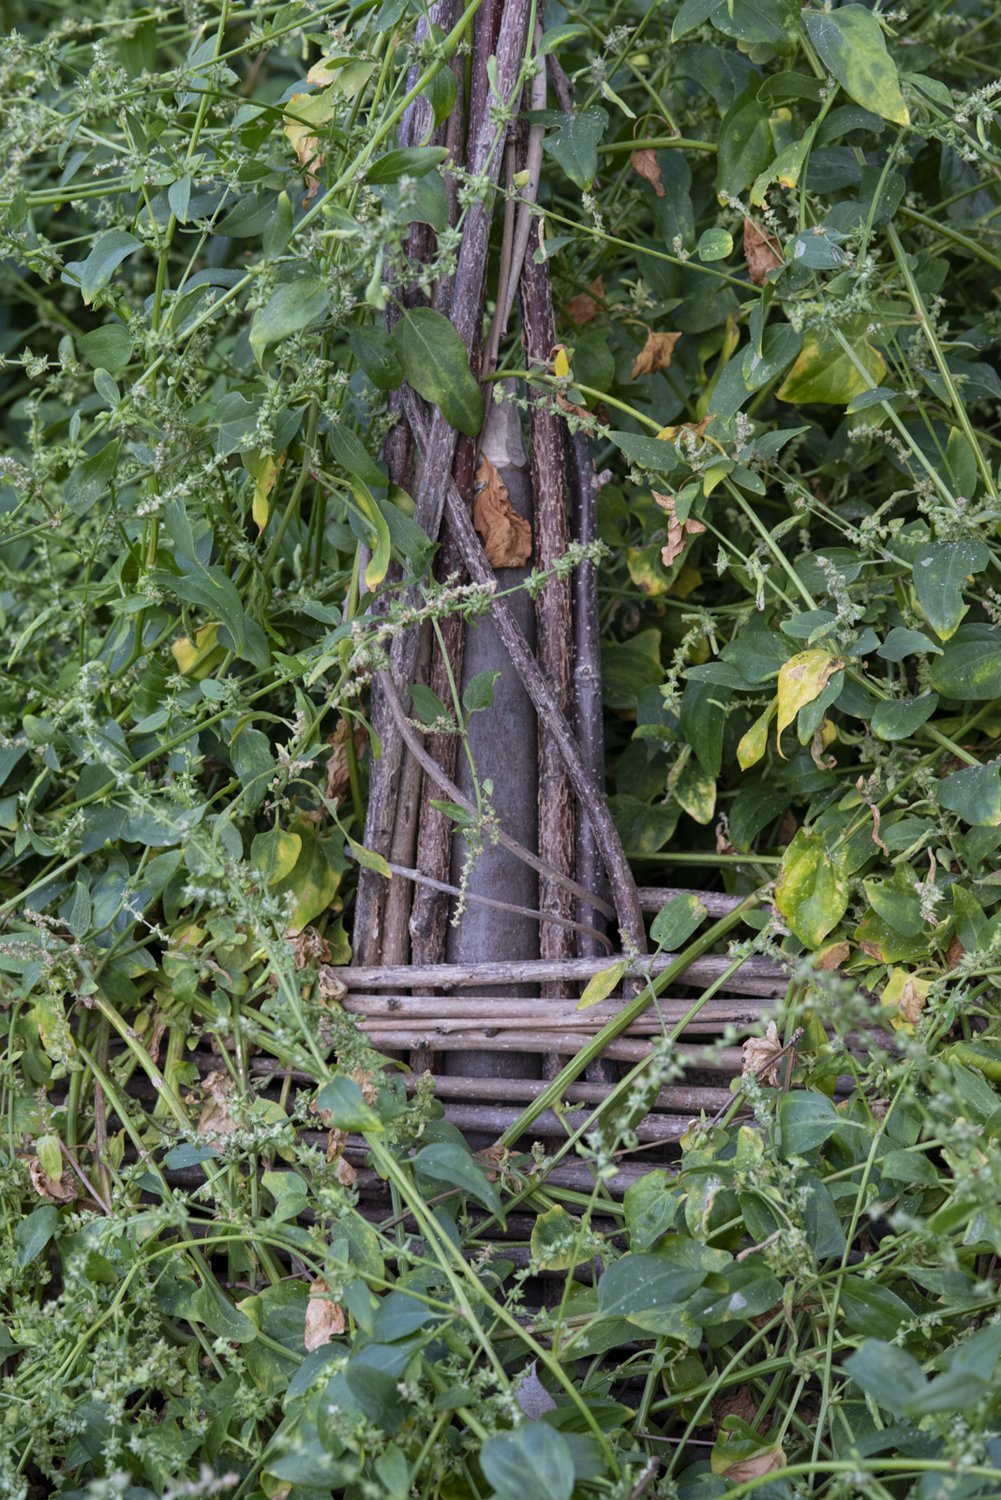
(216, 1119)
(765, 1462)
(762, 1055)
(762, 252)
(506, 536)
(656, 354)
(586, 306)
(55, 1189)
(332, 987)
(338, 771)
(308, 947)
(677, 531)
(645, 163)
(831, 957)
(324, 1317)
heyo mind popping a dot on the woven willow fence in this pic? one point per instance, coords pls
(470, 961)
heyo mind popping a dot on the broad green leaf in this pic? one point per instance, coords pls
(448, 1162)
(974, 793)
(406, 161)
(94, 273)
(825, 373)
(941, 571)
(574, 144)
(744, 145)
(812, 888)
(691, 14)
(106, 348)
(901, 642)
(801, 679)
(851, 45)
(647, 1282)
(291, 308)
(478, 694)
(214, 591)
(970, 665)
(714, 244)
(274, 853)
(31, 1235)
(88, 482)
(343, 1102)
(899, 718)
(435, 362)
(806, 1120)
(651, 1207)
(677, 920)
(888, 1374)
(375, 351)
(554, 1237)
(600, 986)
(370, 860)
(532, 1458)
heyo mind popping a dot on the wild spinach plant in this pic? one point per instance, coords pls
(773, 240)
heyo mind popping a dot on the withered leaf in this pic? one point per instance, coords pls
(338, 771)
(762, 252)
(309, 947)
(762, 1055)
(216, 1119)
(677, 530)
(586, 306)
(655, 355)
(506, 536)
(324, 1317)
(765, 1462)
(56, 1189)
(645, 163)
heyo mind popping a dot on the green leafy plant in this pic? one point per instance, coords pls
(773, 239)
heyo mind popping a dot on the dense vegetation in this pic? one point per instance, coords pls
(774, 243)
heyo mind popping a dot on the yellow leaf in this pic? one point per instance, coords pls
(191, 655)
(561, 365)
(801, 679)
(600, 986)
(755, 742)
(265, 471)
(906, 995)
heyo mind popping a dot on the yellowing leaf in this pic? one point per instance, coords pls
(906, 995)
(600, 986)
(191, 655)
(561, 365)
(812, 888)
(801, 679)
(264, 470)
(754, 743)
(826, 373)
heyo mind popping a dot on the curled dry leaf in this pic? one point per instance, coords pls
(762, 1055)
(324, 1317)
(832, 957)
(586, 306)
(338, 772)
(765, 1462)
(216, 1119)
(55, 1189)
(762, 252)
(506, 536)
(308, 947)
(677, 530)
(655, 355)
(645, 163)
(332, 987)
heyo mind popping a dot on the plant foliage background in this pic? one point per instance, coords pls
(773, 236)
